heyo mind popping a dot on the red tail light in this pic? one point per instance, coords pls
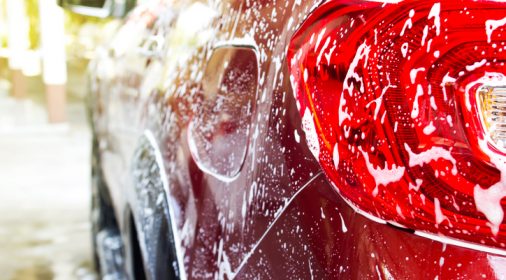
(402, 105)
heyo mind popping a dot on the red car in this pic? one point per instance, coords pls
(344, 139)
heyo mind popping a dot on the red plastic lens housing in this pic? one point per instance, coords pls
(388, 96)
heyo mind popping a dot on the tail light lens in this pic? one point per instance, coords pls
(404, 106)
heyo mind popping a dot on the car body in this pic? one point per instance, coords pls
(201, 163)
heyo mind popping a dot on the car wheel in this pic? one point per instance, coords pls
(107, 249)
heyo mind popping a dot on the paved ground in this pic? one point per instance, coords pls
(44, 193)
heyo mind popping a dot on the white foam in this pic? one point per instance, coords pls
(434, 13)
(476, 65)
(335, 156)
(383, 176)
(416, 109)
(429, 129)
(409, 23)
(488, 201)
(343, 225)
(311, 134)
(348, 86)
(379, 100)
(405, 49)
(414, 72)
(296, 136)
(416, 187)
(440, 217)
(447, 80)
(491, 25)
(432, 154)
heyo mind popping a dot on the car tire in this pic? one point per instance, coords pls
(102, 213)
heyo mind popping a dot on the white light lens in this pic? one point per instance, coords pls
(493, 110)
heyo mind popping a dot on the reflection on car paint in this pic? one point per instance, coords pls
(262, 223)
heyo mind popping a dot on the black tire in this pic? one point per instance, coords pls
(165, 254)
(102, 213)
(134, 261)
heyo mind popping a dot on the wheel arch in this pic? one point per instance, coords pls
(149, 214)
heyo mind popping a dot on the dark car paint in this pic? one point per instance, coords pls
(326, 239)
(278, 218)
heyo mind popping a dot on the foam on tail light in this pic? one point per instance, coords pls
(390, 99)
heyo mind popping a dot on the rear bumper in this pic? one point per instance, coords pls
(320, 236)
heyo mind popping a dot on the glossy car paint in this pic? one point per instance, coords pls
(275, 216)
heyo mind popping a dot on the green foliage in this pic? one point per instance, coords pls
(32, 11)
(3, 25)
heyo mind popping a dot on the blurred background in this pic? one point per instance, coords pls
(45, 139)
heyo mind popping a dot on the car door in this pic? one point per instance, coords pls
(134, 58)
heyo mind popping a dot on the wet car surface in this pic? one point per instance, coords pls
(243, 139)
